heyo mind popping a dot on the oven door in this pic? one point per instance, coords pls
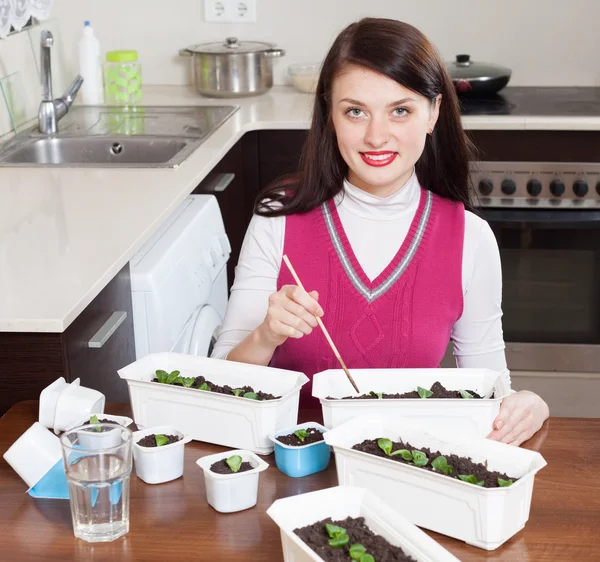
(551, 287)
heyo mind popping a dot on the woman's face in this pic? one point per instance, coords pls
(380, 127)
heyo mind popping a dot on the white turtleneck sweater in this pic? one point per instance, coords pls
(376, 228)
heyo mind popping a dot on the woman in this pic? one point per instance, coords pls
(378, 224)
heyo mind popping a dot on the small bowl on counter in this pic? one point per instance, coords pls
(161, 462)
(298, 460)
(304, 76)
(228, 491)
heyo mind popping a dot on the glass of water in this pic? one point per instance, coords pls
(97, 462)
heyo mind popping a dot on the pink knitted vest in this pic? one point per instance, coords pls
(402, 319)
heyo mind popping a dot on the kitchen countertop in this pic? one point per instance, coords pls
(172, 521)
(66, 232)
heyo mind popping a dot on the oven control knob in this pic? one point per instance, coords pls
(580, 188)
(534, 187)
(508, 187)
(486, 186)
(557, 187)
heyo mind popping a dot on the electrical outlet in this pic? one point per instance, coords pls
(230, 11)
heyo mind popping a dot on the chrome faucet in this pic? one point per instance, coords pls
(52, 111)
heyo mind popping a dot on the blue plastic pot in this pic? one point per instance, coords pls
(304, 460)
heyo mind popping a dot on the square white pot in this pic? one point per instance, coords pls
(48, 398)
(155, 465)
(348, 501)
(208, 416)
(34, 453)
(101, 439)
(474, 417)
(232, 492)
(483, 517)
(76, 402)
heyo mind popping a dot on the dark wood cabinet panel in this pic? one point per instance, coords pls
(537, 146)
(31, 361)
(97, 367)
(279, 153)
(257, 159)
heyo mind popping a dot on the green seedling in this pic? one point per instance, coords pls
(376, 394)
(204, 386)
(504, 483)
(238, 391)
(94, 419)
(338, 535)
(167, 378)
(441, 465)
(366, 558)
(234, 462)
(161, 440)
(469, 478)
(415, 457)
(251, 395)
(465, 394)
(357, 551)
(187, 381)
(301, 434)
(423, 392)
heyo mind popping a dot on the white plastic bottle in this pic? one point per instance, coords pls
(90, 67)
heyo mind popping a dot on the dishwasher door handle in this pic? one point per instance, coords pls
(108, 329)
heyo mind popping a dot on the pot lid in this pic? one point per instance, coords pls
(463, 68)
(231, 45)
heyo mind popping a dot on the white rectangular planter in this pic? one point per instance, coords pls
(348, 501)
(471, 416)
(208, 416)
(483, 517)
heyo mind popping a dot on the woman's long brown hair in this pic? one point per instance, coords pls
(400, 52)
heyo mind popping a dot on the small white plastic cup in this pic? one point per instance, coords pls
(228, 493)
(90, 439)
(48, 398)
(34, 453)
(74, 403)
(155, 465)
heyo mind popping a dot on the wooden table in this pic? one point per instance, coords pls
(172, 521)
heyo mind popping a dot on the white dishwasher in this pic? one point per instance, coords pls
(179, 281)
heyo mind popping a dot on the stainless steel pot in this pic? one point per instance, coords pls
(233, 69)
(477, 78)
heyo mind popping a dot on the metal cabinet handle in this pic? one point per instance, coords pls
(219, 183)
(108, 329)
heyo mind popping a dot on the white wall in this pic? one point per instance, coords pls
(545, 42)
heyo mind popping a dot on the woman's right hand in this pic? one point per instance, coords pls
(291, 314)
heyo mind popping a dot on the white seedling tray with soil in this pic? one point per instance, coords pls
(213, 417)
(472, 416)
(458, 507)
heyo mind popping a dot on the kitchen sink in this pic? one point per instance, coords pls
(147, 137)
(97, 150)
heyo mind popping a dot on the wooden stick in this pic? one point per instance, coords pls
(325, 332)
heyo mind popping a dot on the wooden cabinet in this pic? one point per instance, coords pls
(256, 160)
(31, 361)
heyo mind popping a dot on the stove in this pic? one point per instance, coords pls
(534, 101)
(539, 191)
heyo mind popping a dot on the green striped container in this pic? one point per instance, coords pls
(122, 78)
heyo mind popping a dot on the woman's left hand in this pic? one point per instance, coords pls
(521, 415)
